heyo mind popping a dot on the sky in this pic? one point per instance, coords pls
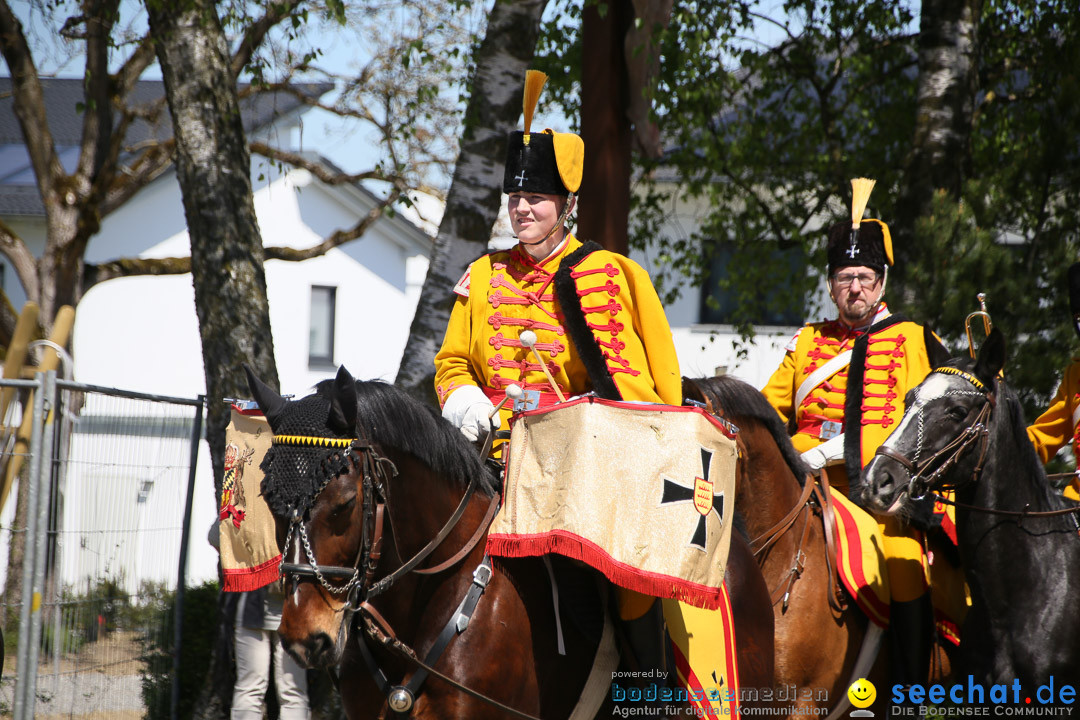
(324, 132)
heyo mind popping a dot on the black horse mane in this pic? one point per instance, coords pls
(740, 399)
(392, 418)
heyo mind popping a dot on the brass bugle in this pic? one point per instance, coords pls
(986, 323)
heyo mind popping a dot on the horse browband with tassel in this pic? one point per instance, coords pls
(966, 375)
(311, 441)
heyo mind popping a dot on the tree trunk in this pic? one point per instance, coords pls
(604, 213)
(940, 157)
(214, 170)
(472, 204)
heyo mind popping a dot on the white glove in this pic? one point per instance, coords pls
(468, 409)
(827, 453)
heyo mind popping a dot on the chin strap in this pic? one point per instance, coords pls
(884, 282)
(558, 223)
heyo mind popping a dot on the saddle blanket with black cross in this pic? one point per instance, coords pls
(642, 492)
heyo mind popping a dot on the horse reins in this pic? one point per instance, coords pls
(919, 481)
(758, 545)
(977, 431)
(376, 470)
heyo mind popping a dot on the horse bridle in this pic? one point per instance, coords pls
(923, 474)
(376, 471)
(921, 484)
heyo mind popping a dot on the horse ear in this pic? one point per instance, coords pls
(343, 402)
(936, 350)
(991, 357)
(269, 401)
(692, 391)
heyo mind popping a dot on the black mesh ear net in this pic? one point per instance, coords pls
(295, 471)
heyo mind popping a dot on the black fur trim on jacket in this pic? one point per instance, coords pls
(578, 329)
(853, 400)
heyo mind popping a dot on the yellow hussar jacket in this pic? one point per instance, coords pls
(865, 401)
(1058, 424)
(891, 360)
(507, 292)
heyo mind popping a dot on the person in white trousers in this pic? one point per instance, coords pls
(258, 615)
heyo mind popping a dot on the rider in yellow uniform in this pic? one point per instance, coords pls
(1060, 423)
(598, 322)
(841, 388)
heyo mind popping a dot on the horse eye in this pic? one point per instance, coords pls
(957, 412)
(346, 506)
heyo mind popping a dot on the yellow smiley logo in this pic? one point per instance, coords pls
(862, 693)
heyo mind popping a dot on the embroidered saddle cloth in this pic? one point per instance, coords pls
(644, 493)
(250, 557)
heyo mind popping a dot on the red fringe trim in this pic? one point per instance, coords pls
(253, 578)
(623, 575)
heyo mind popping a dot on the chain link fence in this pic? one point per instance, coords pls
(94, 566)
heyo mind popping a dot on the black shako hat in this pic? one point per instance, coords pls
(542, 162)
(860, 243)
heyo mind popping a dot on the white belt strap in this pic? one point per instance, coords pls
(820, 375)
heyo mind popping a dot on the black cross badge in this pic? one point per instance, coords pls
(701, 495)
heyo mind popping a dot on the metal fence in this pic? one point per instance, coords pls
(108, 486)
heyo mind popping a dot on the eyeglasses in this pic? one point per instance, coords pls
(866, 279)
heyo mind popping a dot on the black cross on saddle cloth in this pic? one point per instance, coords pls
(705, 500)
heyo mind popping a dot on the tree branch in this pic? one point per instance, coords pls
(97, 91)
(338, 238)
(256, 32)
(22, 260)
(128, 267)
(309, 101)
(29, 103)
(129, 73)
(318, 170)
(128, 180)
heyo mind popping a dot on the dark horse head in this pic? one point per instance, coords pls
(337, 455)
(964, 430)
(942, 439)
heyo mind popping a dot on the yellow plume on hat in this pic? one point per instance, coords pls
(860, 194)
(534, 83)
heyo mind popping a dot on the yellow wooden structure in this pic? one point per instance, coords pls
(15, 440)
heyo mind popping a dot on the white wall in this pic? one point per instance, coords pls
(142, 333)
(705, 350)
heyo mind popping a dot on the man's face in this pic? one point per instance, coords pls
(532, 215)
(856, 292)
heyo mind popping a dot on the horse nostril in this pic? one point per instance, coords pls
(320, 649)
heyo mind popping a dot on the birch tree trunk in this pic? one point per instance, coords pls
(472, 204)
(214, 170)
(940, 156)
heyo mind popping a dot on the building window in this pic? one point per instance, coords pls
(758, 292)
(321, 334)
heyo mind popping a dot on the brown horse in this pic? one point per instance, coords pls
(817, 643)
(382, 511)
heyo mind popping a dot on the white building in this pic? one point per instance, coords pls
(352, 306)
